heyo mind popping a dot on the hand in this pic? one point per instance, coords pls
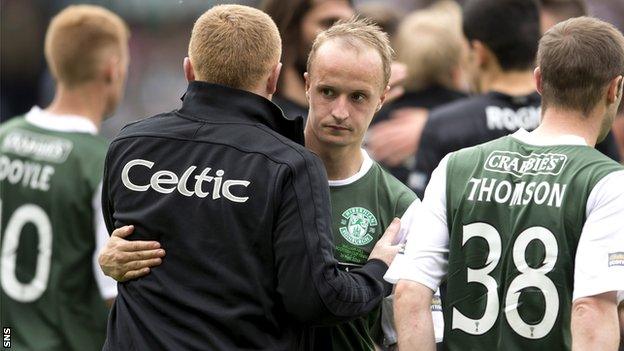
(394, 140)
(124, 260)
(384, 249)
(398, 73)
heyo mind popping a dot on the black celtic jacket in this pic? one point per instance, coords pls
(242, 210)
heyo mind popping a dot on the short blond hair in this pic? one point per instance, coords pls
(79, 39)
(234, 45)
(577, 59)
(429, 43)
(355, 31)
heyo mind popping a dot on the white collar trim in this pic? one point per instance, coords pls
(60, 123)
(530, 138)
(366, 166)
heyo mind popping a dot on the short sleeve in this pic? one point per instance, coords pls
(599, 265)
(425, 259)
(106, 285)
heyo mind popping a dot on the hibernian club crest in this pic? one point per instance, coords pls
(358, 225)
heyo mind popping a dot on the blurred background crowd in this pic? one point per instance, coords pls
(427, 35)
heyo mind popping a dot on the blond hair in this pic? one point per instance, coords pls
(577, 59)
(429, 43)
(234, 45)
(358, 31)
(79, 39)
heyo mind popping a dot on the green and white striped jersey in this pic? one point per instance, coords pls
(516, 229)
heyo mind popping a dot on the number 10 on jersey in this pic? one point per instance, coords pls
(529, 277)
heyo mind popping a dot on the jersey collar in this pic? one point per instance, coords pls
(366, 166)
(529, 138)
(218, 103)
(60, 123)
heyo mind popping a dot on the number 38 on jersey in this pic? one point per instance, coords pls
(528, 278)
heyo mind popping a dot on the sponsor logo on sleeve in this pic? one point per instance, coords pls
(518, 165)
(616, 259)
(436, 304)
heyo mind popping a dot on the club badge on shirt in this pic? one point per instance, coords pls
(358, 226)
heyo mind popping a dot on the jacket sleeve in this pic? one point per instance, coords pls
(311, 286)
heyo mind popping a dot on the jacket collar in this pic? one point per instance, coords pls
(218, 103)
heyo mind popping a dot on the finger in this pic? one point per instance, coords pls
(136, 265)
(139, 245)
(123, 231)
(119, 244)
(140, 255)
(145, 255)
(391, 231)
(135, 274)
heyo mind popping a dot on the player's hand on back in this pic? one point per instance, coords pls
(385, 250)
(123, 260)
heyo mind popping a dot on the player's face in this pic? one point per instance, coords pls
(322, 15)
(344, 89)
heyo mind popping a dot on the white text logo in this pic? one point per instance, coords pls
(166, 182)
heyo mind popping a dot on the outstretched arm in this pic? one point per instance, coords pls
(123, 260)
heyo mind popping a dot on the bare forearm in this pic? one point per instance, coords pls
(412, 313)
(621, 318)
(595, 323)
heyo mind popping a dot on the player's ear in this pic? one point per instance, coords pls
(481, 53)
(111, 70)
(189, 72)
(306, 79)
(614, 92)
(273, 79)
(537, 76)
(382, 98)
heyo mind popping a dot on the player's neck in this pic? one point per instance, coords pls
(341, 162)
(85, 101)
(557, 122)
(514, 83)
(293, 86)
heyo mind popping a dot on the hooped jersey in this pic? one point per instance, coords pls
(515, 214)
(48, 182)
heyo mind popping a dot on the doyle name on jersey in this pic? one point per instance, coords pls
(35, 175)
(166, 182)
(520, 193)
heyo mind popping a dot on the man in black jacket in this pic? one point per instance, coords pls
(242, 208)
(503, 37)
